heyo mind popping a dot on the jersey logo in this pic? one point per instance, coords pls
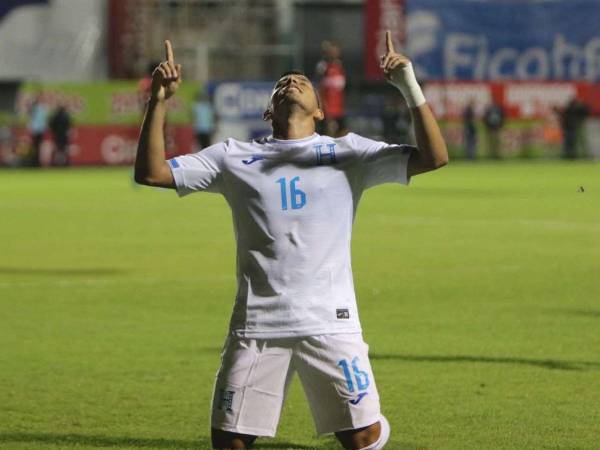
(342, 313)
(325, 153)
(253, 159)
(356, 401)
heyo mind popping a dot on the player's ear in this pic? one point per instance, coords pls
(268, 114)
(319, 115)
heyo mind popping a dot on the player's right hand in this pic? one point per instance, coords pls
(166, 78)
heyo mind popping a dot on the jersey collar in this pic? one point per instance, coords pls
(272, 140)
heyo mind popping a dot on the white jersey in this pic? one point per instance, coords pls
(293, 204)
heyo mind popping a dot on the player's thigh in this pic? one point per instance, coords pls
(250, 386)
(338, 380)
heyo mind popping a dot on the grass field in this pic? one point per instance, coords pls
(479, 290)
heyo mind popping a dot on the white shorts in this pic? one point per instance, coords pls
(255, 374)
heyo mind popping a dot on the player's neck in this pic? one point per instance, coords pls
(293, 128)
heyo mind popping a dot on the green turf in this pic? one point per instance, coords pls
(478, 286)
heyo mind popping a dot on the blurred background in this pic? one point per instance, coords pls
(507, 79)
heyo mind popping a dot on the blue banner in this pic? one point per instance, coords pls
(241, 99)
(7, 6)
(504, 39)
(239, 106)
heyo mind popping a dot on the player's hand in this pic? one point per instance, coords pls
(392, 63)
(166, 78)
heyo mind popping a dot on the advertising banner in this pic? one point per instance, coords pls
(94, 145)
(504, 40)
(520, 100)
(6, 6)
(533, 112)
(240, 105)
(109, 103)
(241, 99)
(106, 120)
(380, 16)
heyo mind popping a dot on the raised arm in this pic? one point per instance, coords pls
(432, 152)
(151, 168)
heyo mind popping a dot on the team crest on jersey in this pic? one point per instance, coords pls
(325, 153)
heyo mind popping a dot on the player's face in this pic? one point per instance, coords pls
(295, 88)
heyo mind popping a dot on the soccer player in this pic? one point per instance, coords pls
(293, 197)
(331, 78)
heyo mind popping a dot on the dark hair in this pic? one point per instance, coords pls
(292, 72)
(299, 72)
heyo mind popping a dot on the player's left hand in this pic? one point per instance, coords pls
(392, 63)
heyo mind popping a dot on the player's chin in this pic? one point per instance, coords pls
(293, 94)
(291, 98)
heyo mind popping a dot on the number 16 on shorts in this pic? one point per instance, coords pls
(356, 379)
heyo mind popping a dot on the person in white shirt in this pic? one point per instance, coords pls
(293, 197)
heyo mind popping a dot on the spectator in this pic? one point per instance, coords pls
(493, 119)
(60, 124)
(204, 120)
(38, 118)
(470, 131)
(396, 121)
(572, 117)
(6, 146)
(331, 78)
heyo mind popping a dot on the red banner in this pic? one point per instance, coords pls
(380, 16)
(95, 145)
(520, 99)
(128, 20)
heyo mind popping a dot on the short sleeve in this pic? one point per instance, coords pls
(201, 171)
(380, 162)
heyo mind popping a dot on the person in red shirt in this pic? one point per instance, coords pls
(331, 77)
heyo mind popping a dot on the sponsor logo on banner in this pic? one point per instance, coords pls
(520, 100)
(534, 40)
(241, 100)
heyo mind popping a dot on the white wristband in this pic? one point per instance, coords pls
(408, 85)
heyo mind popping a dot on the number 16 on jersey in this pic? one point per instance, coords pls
(297, 198)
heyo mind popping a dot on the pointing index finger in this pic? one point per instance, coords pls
(169, 51)
(388, 41)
